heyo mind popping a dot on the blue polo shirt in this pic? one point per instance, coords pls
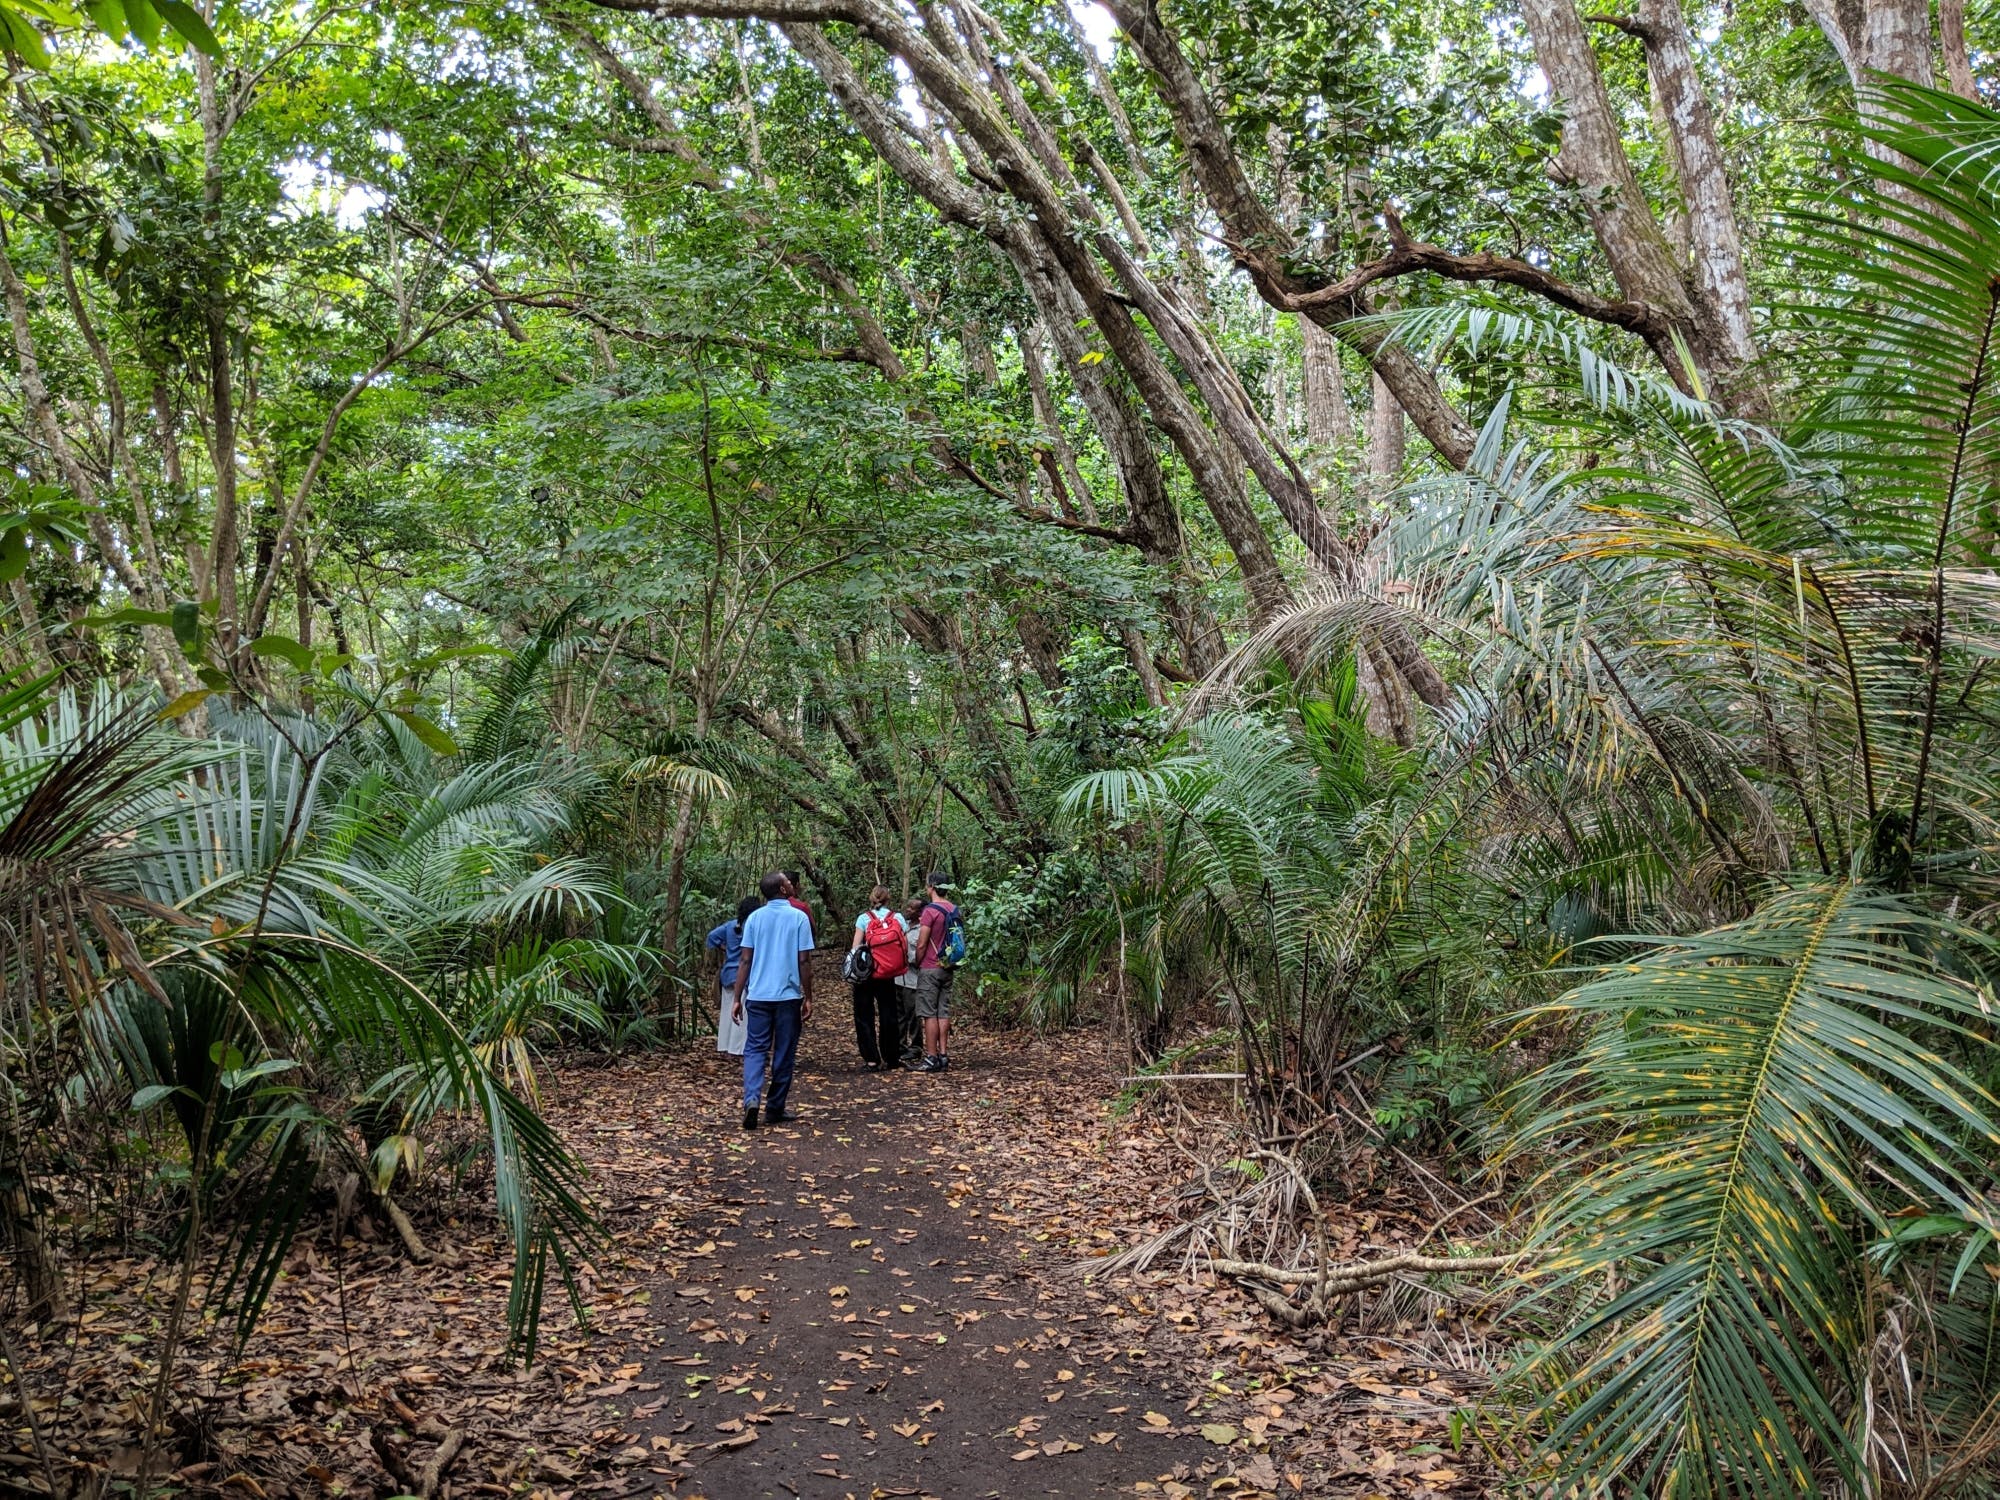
(776, 934)
(728, 941)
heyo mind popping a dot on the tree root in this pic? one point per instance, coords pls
(395, 1459)
(405, 1230)
(1328, 1283)
(441, 1461)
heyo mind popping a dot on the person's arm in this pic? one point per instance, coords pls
(858, 929)
(743, 957)
(806, 976)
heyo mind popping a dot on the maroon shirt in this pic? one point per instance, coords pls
(932, 925)
(807, 910)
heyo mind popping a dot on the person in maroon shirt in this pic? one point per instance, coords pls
(792, 895)
(933, 979)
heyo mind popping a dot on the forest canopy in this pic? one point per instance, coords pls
(1438, 557)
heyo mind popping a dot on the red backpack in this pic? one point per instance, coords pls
(884, 939)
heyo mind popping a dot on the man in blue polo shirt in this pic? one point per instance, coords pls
(779, 992)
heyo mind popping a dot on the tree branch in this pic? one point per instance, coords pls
(1408, 256)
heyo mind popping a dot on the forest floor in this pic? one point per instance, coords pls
(880, 1299)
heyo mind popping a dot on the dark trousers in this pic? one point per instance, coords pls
(878, 1029)
(907, 1024)
(774, 1031)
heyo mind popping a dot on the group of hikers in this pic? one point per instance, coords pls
(900, 965)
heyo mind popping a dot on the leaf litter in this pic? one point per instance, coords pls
(734, 1289)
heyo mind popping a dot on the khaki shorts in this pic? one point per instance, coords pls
(934, 993)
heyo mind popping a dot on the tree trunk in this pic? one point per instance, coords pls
(225, 543)
(1896, 39)
(21, 1231)
(1149, 504)
(1711, 209)
(1043, 645)
(1593, 160)
(939, 634)
(1260, 244)
(61, 464)
(1385, 707)
(677, 847)
(1951, 46)
(1329, 424)
(1045, 246)
(1387, 444)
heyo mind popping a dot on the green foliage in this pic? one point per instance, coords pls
(1762, 1085)
(225, 913)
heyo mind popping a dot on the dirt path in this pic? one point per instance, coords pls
(853, 1323)
(881, 1300)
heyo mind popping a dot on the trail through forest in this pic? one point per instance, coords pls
(896, 1341)
(889, 1297)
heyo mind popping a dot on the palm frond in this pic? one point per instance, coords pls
(1741, 1093)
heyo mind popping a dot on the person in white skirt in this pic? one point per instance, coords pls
(730, 1029)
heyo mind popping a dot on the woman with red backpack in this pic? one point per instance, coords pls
(878, 954)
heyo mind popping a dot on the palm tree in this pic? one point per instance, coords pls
(1722, 745)
(287, 935)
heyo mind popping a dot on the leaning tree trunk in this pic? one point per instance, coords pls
(21, 1230)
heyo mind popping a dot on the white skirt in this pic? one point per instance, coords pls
(729, 1033)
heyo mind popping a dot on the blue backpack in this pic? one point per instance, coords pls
(951, 942)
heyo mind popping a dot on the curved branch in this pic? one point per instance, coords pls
(1409, 256)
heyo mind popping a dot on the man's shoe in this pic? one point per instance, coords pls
(750, 1118)
(913, 1065)
(780, 1117)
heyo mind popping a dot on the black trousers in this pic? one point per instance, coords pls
(877, 1022)
(912, 1028)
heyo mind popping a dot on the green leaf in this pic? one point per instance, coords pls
(186, 622)
(235, 1078)
(109, 16)
(151, 1095)
(144, 21)
(21, 36)
(430, 734)
(187, 702)
(284, 647)
(130, 616)
(13, 553)
(187, 22)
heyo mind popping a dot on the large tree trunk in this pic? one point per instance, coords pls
(1149, 505)
(1260, 244)
(1328, 422)
(1386, 441)
(1043, 250)
(1711, 210)
(1593, 160)
(1880, 36)
(1952, 48)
